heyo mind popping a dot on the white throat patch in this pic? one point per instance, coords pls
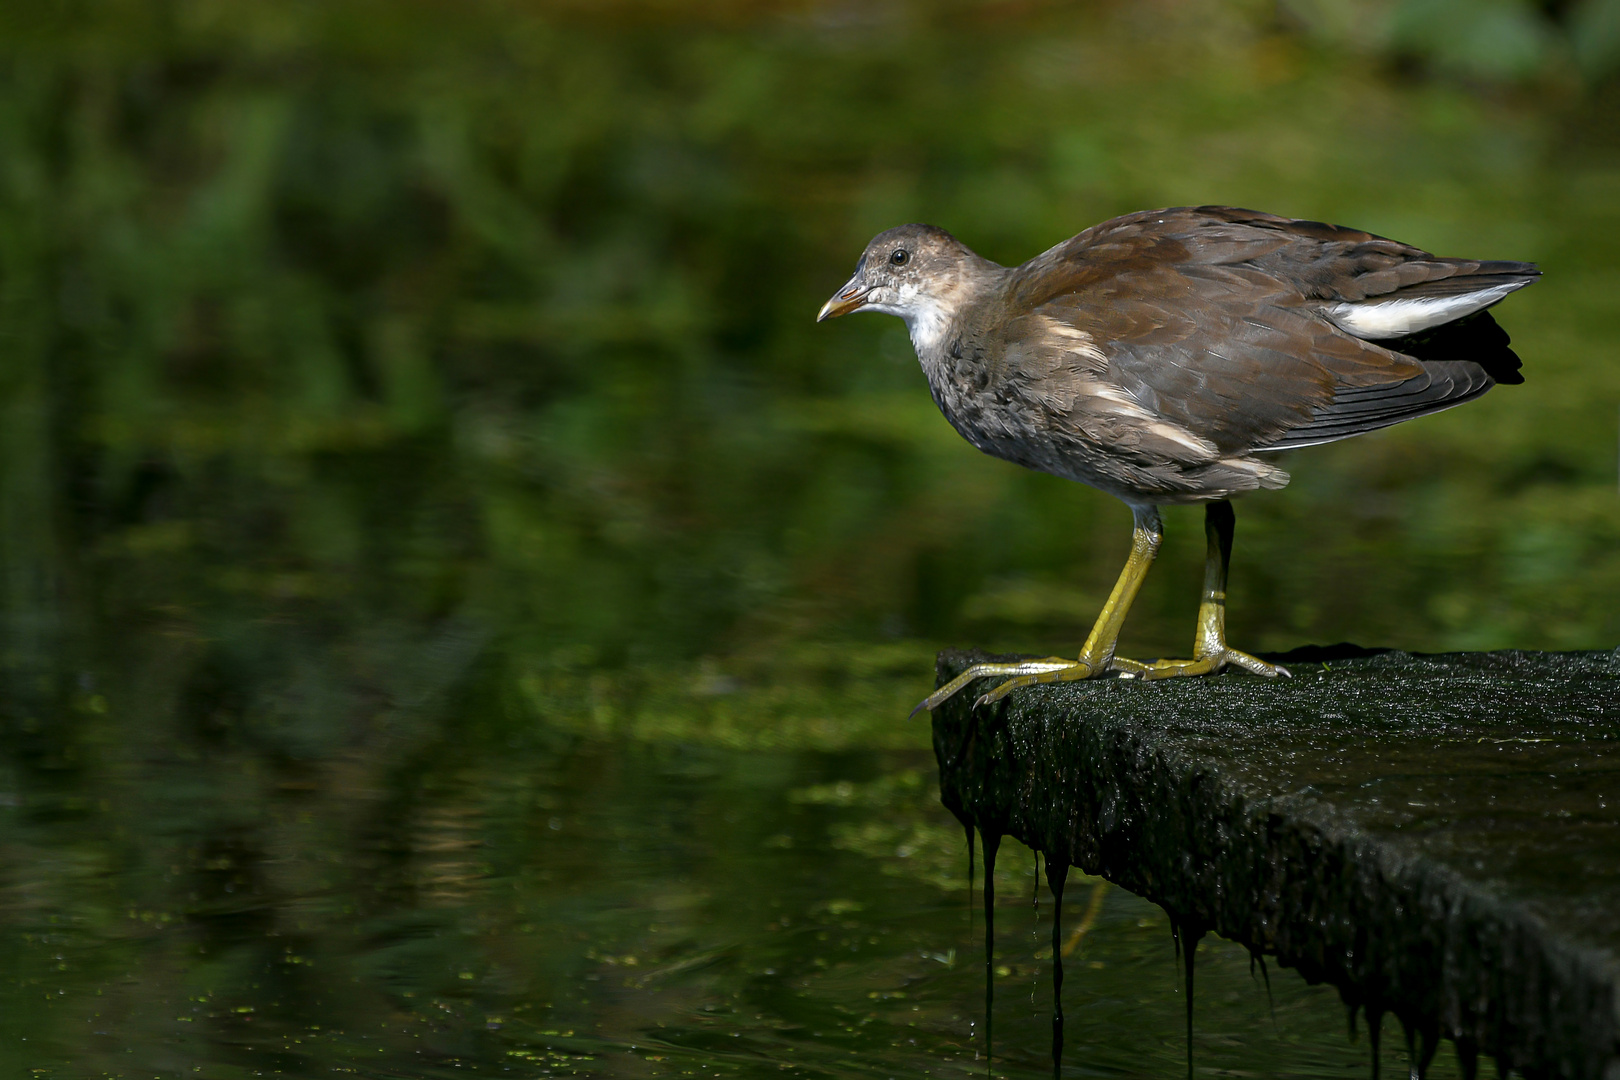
(926, 319)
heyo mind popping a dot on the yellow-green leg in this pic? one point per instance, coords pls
(1210, 651)
(1097, 655)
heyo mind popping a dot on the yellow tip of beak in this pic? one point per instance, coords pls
(846, 301)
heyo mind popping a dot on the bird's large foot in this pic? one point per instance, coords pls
(1024, 673)
(1053, 669)
(1204, 665)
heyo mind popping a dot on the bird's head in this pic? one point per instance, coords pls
(911, 271)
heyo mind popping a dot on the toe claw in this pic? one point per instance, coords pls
(1253, 664)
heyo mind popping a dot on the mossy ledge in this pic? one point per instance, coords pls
(1436, 836)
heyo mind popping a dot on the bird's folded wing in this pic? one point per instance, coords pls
(1461, 360)
(1222, 352)
(1258, 332)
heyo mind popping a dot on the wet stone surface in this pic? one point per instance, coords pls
(1436, 836)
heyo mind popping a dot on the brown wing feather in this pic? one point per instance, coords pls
(1212, 318)
(1461, 360)
(1203, 318)
(1331, 262)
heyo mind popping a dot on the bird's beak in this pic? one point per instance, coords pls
(847, 299)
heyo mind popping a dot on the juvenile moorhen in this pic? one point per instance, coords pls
(1162, 355)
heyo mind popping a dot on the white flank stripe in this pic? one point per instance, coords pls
(1179, 435)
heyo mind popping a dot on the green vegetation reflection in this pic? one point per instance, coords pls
(413, 433)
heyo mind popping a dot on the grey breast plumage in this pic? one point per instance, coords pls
(1157, 354)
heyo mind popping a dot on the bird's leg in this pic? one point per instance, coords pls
(1097, 655)
(1104, 637)
(1210, 651)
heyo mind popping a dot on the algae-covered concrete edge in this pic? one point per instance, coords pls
(1393, 931)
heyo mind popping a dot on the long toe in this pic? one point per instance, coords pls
(1033, 668)
(1209, 664)
(1254, 665)
(1069, 671)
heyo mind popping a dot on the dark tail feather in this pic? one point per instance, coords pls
(1474, 338)
(1462, 360)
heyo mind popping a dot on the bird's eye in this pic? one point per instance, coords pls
(899, 257)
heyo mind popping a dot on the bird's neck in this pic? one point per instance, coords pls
(930, 325)
(935, 318)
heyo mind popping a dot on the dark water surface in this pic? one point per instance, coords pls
(573, 905)
(458, 614)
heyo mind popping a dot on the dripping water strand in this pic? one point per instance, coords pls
(991, 841)
(1271, 1005)
(967, 828)
(1375, 1025)
(1189, 952)
(1056, 875)
(1422, 1040)
(1175, 936)
(1035, 926)
(1428, 1043)
(1468, 1058)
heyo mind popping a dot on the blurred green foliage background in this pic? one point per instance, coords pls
(392, 314)
(397, 312)
(382, 380)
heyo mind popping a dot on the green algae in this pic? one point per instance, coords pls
(1435, 836)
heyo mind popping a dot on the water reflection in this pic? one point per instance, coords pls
(456, 616)
(562, 905)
